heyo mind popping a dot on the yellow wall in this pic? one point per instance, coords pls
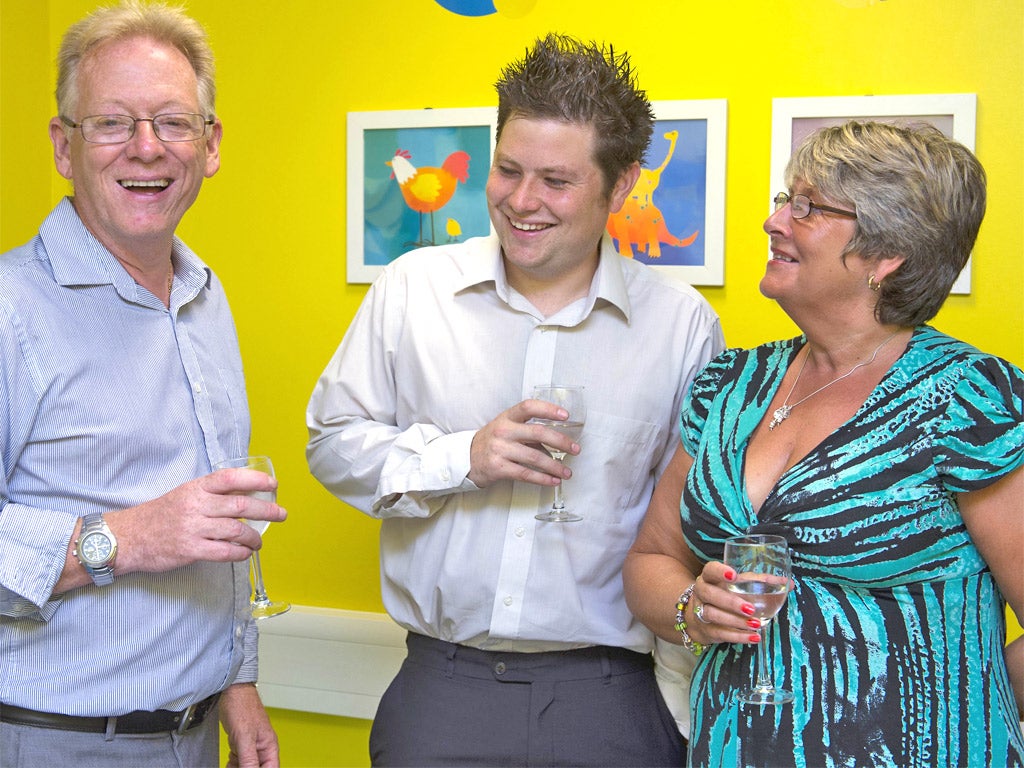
(272, 222)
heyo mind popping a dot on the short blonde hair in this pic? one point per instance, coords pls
(917, 193)
(134, 18)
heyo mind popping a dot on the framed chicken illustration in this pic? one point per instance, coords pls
(674, 217)
(415, 178)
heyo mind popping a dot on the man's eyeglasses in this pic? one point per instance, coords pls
(801, 206)
(117, 129)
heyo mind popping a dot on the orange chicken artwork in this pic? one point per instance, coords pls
(427, 189)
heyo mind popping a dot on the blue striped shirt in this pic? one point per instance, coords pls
(108, 399)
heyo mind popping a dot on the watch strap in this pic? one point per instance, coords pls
(102, 575)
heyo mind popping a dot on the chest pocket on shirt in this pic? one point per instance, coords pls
(613, 470)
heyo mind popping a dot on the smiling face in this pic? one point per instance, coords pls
(806, 267)
(547, 199)
(131, 196)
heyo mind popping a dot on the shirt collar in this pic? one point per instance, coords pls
(485, 266)
(610, 281)
(79, 259)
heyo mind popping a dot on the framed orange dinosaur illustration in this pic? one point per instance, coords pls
(674, 216)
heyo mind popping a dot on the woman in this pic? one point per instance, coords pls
(887, 453)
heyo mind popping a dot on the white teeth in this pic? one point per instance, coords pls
(127, 183)
(528, 227)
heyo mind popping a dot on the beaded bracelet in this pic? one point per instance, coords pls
(688, 642)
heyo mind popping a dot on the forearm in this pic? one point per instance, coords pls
(660, 565)
(73, 575)
(387, 472)
(248, 672)
(201, 520)
(654, 583)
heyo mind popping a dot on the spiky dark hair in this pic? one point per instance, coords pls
(563, 78)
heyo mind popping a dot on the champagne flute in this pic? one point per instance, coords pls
(762, 570)
(262, 606)
(571, 399)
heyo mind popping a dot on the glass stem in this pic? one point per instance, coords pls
(558, 505)
(763, 682)
(261, 592)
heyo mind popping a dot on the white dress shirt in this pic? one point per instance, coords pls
(440, 346)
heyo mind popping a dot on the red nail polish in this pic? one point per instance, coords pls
(748, 609)
(755, 638)
(730, 575)
(754, 624)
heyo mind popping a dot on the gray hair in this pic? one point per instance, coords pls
(562, 78)
(134, 18)
(918, 195)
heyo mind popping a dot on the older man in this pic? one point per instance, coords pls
(124, 617)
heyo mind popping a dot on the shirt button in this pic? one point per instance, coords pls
(197, 388)
(508, 600)
(520, 532)
(500, 668)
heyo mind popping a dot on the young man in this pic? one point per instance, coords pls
(123, 562)
(521, 648)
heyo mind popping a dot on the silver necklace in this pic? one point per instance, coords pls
(782, 412)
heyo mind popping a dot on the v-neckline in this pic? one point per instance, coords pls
(798, 344)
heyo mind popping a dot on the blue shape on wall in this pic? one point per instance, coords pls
(468, 7)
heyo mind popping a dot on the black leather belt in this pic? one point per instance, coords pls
(134, 722)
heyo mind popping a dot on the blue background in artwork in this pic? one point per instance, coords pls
(390, 226)
(682, 194)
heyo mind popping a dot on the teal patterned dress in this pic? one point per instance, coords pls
(892, 639)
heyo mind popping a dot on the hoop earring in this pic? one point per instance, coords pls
(873, 284)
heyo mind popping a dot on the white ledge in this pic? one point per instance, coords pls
(329, 661)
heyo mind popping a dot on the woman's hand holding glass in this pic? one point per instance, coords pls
(719, 614)
(762, 566)
(741, 594)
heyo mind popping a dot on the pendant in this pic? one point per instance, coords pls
(780, 415)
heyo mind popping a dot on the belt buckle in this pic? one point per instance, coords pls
(187, 716)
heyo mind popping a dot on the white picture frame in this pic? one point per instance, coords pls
(681, 193)
(793, 119)
(380, 224)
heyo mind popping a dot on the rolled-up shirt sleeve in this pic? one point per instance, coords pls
(355, 449)
(33, 549)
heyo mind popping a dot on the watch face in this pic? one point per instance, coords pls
(95, 548)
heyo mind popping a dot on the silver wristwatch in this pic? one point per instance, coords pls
(96, 549)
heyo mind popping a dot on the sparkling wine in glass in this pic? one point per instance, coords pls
(762, 570)
(569, 397)
(262, 606)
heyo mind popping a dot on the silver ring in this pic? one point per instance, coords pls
(699, 613)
